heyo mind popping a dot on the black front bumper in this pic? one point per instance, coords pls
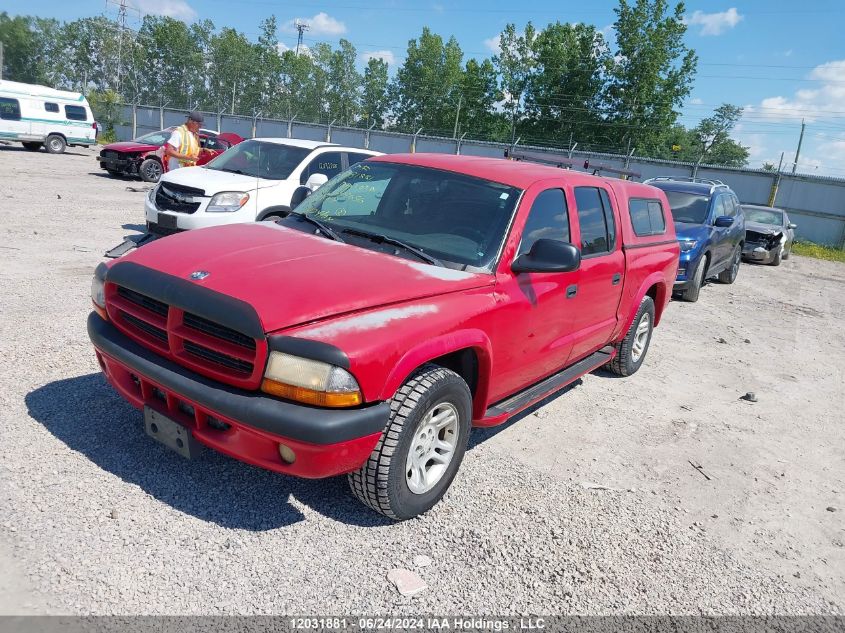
(123, 165)
(296, 421)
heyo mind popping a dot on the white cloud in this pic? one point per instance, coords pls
(715, 23)
(695, 101)
(437, 8)
(320, 24)
(492, 43)
(812, 104)
(171, 8)
(387, 56)
(281, 47)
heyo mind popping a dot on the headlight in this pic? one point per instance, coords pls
(687, 245)
(152, 195)
(228, 201)
(310, 381)
(98, 296)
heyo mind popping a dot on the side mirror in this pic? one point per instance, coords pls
(548, 256)
(724, 222)
(299, 194)
(791, 226)
(315, 181)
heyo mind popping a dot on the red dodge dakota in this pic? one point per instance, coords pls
(405, 301)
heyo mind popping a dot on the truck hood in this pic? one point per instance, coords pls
(685, 231)
(214, 181)
(292, 278)
(130, 146)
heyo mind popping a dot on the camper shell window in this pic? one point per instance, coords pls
(51, 107)
(76, 113)
(10, 109)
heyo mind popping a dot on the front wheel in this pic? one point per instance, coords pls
(150, 170)
(728, 276)
(778, 256)
(421, 449)
(631, 350)
(55, 144)
(691, 292)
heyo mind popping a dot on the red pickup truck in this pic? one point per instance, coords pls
(410, 298)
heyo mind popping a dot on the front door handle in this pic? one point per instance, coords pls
(617, 278)
(571, 291)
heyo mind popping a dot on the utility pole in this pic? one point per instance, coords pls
(798, 151)
(457, 115)
(301, 27)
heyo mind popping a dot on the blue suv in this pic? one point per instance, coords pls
(710, 227)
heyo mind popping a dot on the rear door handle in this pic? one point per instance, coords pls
(571, 291)
(617, 278)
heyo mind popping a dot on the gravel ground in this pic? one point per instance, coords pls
(95, 518)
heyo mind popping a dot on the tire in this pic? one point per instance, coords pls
(778, 257)
(787, 252)
(631, 350)
(690, 293)
(390, 482)
(150, 170)
(728, 276)
(55, 144)
(31, 146)
(271, 218)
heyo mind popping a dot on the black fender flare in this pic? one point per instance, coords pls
(276, 210)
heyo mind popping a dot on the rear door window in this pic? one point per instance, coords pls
(51, 107)
(548, 218)
(355, 157)
(10, 109)
(596, 234)
(76, 113)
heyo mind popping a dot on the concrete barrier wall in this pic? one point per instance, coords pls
(816, 204)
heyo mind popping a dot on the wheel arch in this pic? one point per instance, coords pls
(655, 287)
(467, 352)
(276, 209)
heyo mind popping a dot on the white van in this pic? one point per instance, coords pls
(38, 115)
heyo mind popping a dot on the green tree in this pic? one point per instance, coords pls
(480, 91)
(651, 72)
(564, 91)
(108, 110)
(714, 144)
(427, 87)
(344, 85)
(375, 100)
(515, 64)
(28, 48)
(232, 65)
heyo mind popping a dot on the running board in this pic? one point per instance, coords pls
(553, 383)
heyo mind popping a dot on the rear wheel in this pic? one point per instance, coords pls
(728, 276)
(55, 144)
(691, 292)
(150, 170)
(32, 146)
(631, 350)
(421, 448)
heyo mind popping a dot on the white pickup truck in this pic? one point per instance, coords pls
(256, 180)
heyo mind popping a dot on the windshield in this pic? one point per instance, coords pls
(457, 219)
(764, 216)
(688, 207)
(155, 138)
(271, 161)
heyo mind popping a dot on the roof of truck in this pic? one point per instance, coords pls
(520, 174)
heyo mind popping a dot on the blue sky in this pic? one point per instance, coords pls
(781, 59)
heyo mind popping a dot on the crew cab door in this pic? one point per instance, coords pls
(536, 329)
(602, 272)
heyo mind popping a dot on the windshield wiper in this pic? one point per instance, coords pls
(234, 171)
(330, 233)
(384, 239)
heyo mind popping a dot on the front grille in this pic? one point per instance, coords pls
(218, 331)
(143, 300)
(186, 338)
(764, 239)
(148, 328)
(178, 198)
(224, 360)
(109, 154)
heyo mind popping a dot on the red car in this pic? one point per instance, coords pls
(410, 298)
(142, 158)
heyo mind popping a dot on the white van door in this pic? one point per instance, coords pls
(12, 125)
